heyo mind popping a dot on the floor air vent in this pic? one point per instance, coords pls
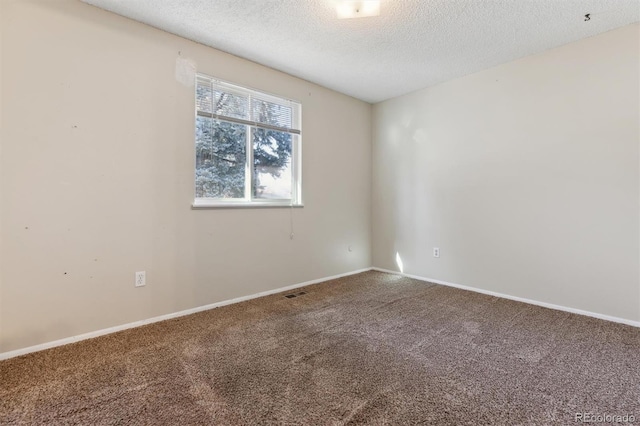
(292, 295)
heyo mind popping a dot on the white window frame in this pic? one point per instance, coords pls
(296, 150)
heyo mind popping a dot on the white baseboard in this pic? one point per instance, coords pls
(516, 298)
(98, 333)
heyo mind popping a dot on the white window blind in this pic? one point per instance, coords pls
(227, 102)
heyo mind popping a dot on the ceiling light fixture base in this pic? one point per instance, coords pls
(348, 9)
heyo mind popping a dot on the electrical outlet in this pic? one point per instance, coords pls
(141, 279)
(436, 252)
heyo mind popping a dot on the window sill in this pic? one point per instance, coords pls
(196, 205)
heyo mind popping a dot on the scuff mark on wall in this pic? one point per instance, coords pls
(185, 71)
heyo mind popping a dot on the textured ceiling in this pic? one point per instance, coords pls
(411, 45)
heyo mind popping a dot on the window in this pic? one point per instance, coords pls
(247, 147)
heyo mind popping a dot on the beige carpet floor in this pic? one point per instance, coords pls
(372, 348)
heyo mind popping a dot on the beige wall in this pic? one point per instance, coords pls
(524, 175)
(96, 179)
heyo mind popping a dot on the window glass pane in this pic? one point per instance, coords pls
(271, 164)
(272, 113)
(231, 104)
(204, 95)
(220, 159)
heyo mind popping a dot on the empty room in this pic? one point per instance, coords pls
(319, 212)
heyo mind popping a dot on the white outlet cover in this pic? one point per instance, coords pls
(141, 279)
